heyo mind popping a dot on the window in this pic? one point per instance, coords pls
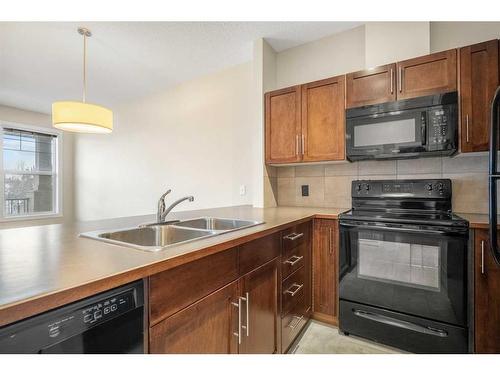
(30, 178)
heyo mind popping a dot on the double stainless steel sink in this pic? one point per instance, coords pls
(158, 236)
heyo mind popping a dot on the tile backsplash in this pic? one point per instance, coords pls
(330, 184)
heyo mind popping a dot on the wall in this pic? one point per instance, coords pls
(20, 116)
(195, 139)
(330, 184)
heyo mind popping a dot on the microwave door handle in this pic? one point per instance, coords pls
(493, 175)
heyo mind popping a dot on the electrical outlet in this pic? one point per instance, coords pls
(305, 190)
(243, 189)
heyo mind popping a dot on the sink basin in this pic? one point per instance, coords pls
(150, 238)
(216, 224)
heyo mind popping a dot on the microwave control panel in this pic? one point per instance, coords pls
(439, 134)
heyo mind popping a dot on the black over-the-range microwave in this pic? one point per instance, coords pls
(423, 126)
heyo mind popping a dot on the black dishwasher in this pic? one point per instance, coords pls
(111, 322)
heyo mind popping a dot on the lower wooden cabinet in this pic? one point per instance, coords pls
(486, 296)
(324, 269)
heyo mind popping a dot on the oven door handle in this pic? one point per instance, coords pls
(400, 323)
(447, 231)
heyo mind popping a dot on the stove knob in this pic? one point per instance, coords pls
(428, 187)
(367, 187)
(440, 186)
(358, 187)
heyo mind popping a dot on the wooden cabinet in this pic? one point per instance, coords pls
(486, 296)
(427, 75)
(283, 125)
(260, 310)
(324, 268)
(207, 326)
(371, 86)
(306, 123)
(323, 120)
(478, 82)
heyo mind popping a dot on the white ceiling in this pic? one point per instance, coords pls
(42, 62)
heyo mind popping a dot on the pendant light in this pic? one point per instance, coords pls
(82, 117)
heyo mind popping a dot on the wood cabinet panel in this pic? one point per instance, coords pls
(255, 253)
(325, 270)
(296, 235)
(295, 258)
(478, 82)
(371, 86)
(293, 322)
(206, 326)
(260, 288)
(427, 75)
(174, 289)
(293, 289)
(283, 125)
(323, 120)
(486, 296)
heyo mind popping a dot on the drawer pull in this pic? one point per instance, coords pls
(293, 260)
(299, 319)
(294, 292)
(293, 236)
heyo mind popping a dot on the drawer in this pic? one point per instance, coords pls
(258, 252)
(293, 289)
(174, 289)
(293, 322)
(296, 236)
(293, 259)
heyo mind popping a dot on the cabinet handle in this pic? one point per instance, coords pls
(467, 128)
(295, 260)
(482, 257)
(400, 79)
(296, 145)
(299, 319)
(303, 144)
(246, 327)
(392, 81)
(297, 288)
(293, 236)
(238, 334)
(330, 240)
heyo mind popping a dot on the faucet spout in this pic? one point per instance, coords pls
(171, 207)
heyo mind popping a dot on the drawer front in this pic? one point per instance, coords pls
(293, 289)
(258, 252)
(174, 289)
(293, 322)
(296, 236)
(293, 259)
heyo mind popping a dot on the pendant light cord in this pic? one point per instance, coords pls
(84, 67)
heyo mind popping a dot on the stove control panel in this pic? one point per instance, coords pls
(424, 189)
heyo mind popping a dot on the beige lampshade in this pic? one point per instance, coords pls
(81, 117)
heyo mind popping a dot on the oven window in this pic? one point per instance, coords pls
(390, 132)
(399, 262)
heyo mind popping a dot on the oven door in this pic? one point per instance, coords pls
(415, 270)
(386, 135)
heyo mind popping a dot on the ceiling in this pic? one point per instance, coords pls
(41, 62)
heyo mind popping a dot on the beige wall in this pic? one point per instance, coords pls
(446, 35)
(24, 117)
(195, 138)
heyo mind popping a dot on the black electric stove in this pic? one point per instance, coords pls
(403, 266)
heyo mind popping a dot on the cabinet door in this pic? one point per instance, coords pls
(260, 310)
(371, 86)
(323, 120)
(478, 82)
(283, 127)
(427, 75)
(207, 326)
(325, 275)
(486, 296)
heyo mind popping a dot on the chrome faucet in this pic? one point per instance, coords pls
(163, 212)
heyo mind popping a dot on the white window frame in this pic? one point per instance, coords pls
(57, 194)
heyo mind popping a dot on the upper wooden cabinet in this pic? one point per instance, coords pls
(323, 124)
(478, 82)
(306, 123)
(486, 296)
(371, 86)
(427, 75)
(283, 125)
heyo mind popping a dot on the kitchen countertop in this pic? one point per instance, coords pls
(477, 221)
(44, 267)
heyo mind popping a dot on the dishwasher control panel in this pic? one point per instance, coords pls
(107, 308)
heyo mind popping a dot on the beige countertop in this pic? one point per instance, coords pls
(44, 267)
